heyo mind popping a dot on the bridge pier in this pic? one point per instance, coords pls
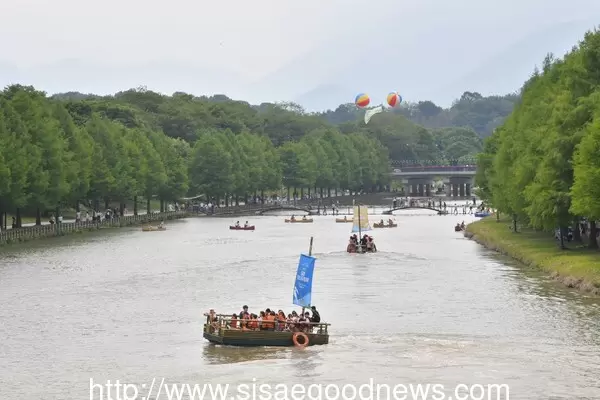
(417, 187)
(468, 189)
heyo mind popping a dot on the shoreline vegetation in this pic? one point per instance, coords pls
(577, 266)
(541, 170)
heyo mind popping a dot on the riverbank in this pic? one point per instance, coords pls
(576, 267)
(26, 234)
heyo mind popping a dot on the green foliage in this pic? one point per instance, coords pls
(543, 163)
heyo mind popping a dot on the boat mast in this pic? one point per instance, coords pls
(359, 231)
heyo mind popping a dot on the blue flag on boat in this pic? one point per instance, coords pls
(303, 285)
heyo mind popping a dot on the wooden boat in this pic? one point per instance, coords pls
(241, 228)
(218, 328)
(361, 223)
(342, 220)
(151, 228)
(380, 225)
(223, 334)
(302, 220)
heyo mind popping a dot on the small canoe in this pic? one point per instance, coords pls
(153, 228)
(458, 229)
(242, 228)
(376, 225)
(308, 220)
(342, 220)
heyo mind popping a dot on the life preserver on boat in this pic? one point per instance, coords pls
(300, 339)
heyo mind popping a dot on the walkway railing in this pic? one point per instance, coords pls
(63, 228)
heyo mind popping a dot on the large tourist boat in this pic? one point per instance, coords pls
(228, 329)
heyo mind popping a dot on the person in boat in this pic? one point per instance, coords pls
(390, 222)
(281, 321)
(237, 224)
(345, 218)
(370, 244)
(244, 314)
(213, 321)
(161, 225)
(304, 217)
(462, 225)
(381, 223)
(233, 324)
(293, 218)
(316, 317)
(246, 224)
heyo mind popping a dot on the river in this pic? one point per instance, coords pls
(429, 307)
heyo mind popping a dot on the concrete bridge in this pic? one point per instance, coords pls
(419, 180)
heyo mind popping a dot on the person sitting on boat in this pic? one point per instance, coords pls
(281, 321)
(261, 318)
(381, 223)
(246, 224)
(237, 224)
(302, 325)
(369, 243)
(390, 222)
(462, 225)
(161, 225)
(304, 217)
(293, 218)
(351, 245)
(253, 323)
(233, 323)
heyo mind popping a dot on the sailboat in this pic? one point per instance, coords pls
(226, 330)
(360, 224)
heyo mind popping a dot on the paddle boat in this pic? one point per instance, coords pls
(241, 228)
(293, 219)
(151, 228)
(382, 224)
(238, 227)
(482, 214)
(342, 220)
(460, 227)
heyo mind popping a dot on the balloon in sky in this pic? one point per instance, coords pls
(362, 100)
(393, 99)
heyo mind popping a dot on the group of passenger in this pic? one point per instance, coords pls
(268, 320)
(237, 224)
(365, 244)
(293, 218)
(460, 227)
(389, 221)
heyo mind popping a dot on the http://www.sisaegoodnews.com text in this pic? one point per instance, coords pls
(159, 389)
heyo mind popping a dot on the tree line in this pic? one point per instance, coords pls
(183, 116)
(542, 166)
(62, 153)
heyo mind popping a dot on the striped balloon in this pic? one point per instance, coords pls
(393, 99)
(362, 100)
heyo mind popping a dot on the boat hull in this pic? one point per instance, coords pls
(385, 226)
(242, 228)
(298, 221)
(234, 337)
(339, 220)
(153, 229)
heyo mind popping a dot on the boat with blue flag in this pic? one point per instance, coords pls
(274, 329)
(360, 243)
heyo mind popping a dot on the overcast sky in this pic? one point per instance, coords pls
(237, 47)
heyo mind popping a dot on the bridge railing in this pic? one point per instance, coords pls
(437, 168)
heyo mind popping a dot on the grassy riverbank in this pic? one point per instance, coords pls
(576, 267)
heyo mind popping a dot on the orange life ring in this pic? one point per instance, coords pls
(300, 339)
